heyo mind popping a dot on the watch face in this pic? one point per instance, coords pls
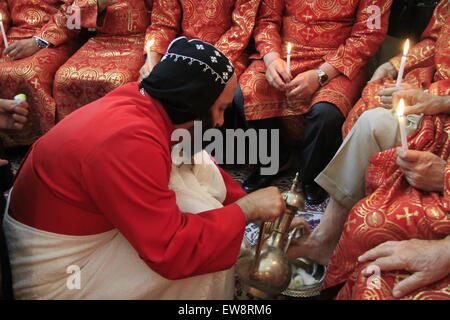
(41, 43)
(323, 77)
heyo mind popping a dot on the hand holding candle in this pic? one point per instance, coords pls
(402, 124)
(5, 40)
(403, 63)
(148, 65)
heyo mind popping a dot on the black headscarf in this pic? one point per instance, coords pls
(189, 79)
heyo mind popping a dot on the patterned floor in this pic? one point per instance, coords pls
(313, 214)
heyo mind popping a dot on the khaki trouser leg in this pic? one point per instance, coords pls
(375, 131)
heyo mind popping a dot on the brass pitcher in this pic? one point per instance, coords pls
(267, 272)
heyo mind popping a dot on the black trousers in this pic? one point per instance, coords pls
(322, 138)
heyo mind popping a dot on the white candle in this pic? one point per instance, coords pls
(402, 63)
(402, 124)
(20, 98)
(5, 40)
(148, 47)
(289, 47)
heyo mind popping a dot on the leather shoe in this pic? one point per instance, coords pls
(314, 194)
(258, 181)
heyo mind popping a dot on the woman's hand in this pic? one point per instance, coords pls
(304, 86)
(386, 70)
(427, 260)
(21, 49)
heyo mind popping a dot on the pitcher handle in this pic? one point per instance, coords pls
(262, 232)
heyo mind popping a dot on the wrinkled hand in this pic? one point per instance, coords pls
(304, 86)
(103, 4)
(427, 260)
(419, 101)
(12, 114)
(386, 70)
(145, 70)
(264, 204)
(277, 74)
(387, 93)
(149, 64)
(423, 170)
(21, 49)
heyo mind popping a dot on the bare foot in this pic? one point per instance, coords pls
(314, 247)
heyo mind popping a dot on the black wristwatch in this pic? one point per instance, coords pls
(323, 77)
(41, 43)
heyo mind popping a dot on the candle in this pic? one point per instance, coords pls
(402, 63)
(289, 47)
(402, 124)
(148, 47)
(5, 41)
(20, 98)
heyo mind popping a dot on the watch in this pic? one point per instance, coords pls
(323, 77)
(41, 43)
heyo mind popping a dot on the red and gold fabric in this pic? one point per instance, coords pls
(108, 60)
(34, 75)
(427, 66)
(394, 211)
(227, 24)
(337, 32)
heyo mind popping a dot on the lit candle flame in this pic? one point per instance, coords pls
(401, 108)
(149, 45)
(406, 47)
(1, 17)
(289, 47)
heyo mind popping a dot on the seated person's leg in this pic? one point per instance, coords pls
(322, 138)
(376, 130)
(343, 178)
(256, 180)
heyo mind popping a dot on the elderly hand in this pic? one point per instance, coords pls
(276, 71)
(145, 71)
(387, 93)
(386, 70)
(21, 49)
(149, 64)
(427, 260)
(304, 86)
(423, 170)
(419, 101)
(13, 115)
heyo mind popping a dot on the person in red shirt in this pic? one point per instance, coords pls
(107, 167)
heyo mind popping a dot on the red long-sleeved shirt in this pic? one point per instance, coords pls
(107, 165)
